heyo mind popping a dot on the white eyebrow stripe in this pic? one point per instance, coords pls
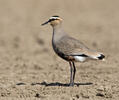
(54, 17)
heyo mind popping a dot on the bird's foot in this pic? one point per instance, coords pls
(71, 84)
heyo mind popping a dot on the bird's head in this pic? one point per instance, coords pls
(54, 20)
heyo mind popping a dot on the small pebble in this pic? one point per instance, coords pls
(37, 95)
(101, 88)
(100, 94)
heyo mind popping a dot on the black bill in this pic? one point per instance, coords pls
(45, 23)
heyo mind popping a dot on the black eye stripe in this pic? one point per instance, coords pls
(52, 20)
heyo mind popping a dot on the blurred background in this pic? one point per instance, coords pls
(26, 54)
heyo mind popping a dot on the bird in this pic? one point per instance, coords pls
(70, 49)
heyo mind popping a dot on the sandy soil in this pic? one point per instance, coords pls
(29, 69)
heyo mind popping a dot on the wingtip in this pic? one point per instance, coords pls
(101, 57)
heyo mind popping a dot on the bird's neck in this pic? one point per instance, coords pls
(58, 33)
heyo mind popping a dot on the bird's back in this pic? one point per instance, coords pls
(71, 47)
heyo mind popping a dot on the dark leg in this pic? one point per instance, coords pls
(74, 69)
(71, 74)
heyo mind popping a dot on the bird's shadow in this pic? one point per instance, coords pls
(61, 84)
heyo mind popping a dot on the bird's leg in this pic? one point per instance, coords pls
(71, 74)
(74, 69)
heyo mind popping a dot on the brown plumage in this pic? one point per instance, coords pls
(70, 48)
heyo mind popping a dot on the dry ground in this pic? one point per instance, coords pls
(29, 69)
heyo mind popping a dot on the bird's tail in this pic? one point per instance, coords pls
(99, 56)
(96, 55)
